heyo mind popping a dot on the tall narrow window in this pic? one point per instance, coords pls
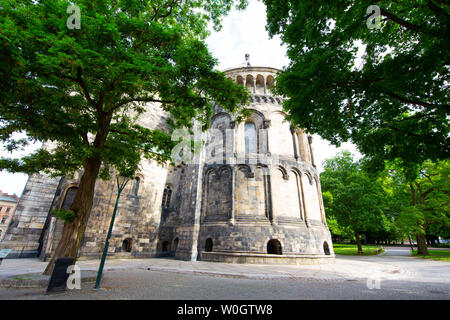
(250, 137)
(70, 196)
(135, 188)
(166, 197)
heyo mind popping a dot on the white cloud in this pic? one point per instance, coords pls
(15, 182)
(244, 32)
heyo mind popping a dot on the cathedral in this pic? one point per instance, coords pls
(252, 196)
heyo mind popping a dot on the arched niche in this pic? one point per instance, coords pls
(218, 193)
(260, 84)
(258, 119)
(250, 138)
(274, 247)
(127, 245)
(311, 198)
(285, 194)
(209, 245)
(250, 194)
(326, 248)
(220, 139)
(281, 138)
(69, 197)
(249, 82)
(270, 81)
(240, 80)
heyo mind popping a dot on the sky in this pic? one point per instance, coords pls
(243, 32)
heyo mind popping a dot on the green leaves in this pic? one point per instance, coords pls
(88, 91)
(392, 101)
(63, 214)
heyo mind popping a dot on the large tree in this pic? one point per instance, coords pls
(421, 205)
(385, 89)
(353, 199)
(85, 89)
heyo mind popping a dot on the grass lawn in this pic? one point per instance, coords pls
(443, 255)
(352, 249)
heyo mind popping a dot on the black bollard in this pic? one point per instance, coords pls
(58, 279)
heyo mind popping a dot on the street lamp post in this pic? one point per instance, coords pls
(121, 183)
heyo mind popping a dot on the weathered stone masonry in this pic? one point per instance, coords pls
(254, 196)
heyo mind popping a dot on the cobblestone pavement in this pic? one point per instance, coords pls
(370, 277)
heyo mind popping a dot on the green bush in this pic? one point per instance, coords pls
(63, 214)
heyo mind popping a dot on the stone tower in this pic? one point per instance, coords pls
(251, 196)
(263, 202)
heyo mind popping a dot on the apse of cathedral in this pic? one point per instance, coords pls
(253, 196)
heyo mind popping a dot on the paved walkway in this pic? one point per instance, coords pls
(346, 268)
(397, 251)
(351, 277)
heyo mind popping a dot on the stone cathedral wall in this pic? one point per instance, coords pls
(256, 194)
(226, 207)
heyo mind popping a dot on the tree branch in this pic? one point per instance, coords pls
(400, 21)
(86, 91)
(407, 25)
(416, 102)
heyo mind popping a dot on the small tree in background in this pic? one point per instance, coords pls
(422, 204)
(358, 202)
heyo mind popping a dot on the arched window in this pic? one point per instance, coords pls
(166, 197)
(274, 247)
(208, 245)
(135, 188)
(250, 137)
(69, 197)
(326, 248)
(165, 246)
(126, 245)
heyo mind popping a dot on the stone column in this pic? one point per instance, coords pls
(310, 150)
(266, 127)
(294, 141)
(198, 202)
(321, 206)
(305, 211)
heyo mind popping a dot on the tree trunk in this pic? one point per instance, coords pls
(358, 242)
(73, 232)
(421, 244)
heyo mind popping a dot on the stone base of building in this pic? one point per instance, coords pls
(20, 249)
(263, 258)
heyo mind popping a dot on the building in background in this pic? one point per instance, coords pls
(8, 204)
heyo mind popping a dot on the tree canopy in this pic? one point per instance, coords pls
(385, 89)
(352, 199)
(85, 90)
(420, 206)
